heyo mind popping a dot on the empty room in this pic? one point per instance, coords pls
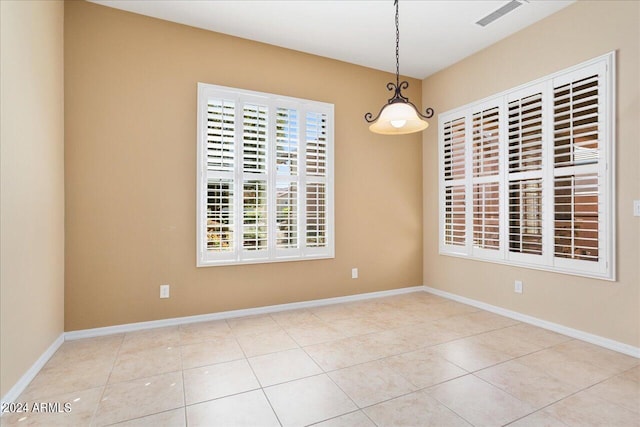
(333, 213)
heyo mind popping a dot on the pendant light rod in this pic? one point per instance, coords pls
(395, 3)
(398, 86)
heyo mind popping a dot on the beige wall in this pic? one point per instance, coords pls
(581, 31)
(32, 189)
(130, 86)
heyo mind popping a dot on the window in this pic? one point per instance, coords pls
(265, 177)
(526, 176)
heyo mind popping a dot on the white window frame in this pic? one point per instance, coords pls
(604, 267)
(240, 97)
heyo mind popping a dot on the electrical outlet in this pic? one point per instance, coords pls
(517, 288)
(354, 273)
(164, 291)
(636, 208)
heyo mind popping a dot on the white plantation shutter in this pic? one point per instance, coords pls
(485, 169)
(486, 133)
(255, 216)
(455, 216)
(220, 158)
(254, 147)
(531, 184)
(288, 182)
(316, 152)
(220, 135)
(287, 141)
(576, 116)
(486, 215)
(580, 172)
(316, 215)
(525, 159)
(453, 200)
(287, 215)
(265, 166)
(316, 169)
(576, 217)
(525, 133)
(454, 149)
(525, 217)
(220, 215)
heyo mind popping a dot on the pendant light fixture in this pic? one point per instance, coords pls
(398, 116)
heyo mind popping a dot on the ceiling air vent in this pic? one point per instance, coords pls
(499, 13)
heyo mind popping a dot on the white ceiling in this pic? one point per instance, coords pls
(433, 33)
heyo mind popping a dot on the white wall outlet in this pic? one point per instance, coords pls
(636, 208)
(164, 291)
(517, 286)
(354, 273)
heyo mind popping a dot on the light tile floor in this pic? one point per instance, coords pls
(408, 360)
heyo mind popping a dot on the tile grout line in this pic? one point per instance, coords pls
(344, 392)
(264, 393)
(140, 417)
(338, 416)
(143, 377)
(261, 387)
(184, 383)
(106, 384)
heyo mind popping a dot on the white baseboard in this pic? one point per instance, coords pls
(129, 327)
(24, 381)
(555, 327)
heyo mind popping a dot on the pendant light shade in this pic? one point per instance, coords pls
(398, 116)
